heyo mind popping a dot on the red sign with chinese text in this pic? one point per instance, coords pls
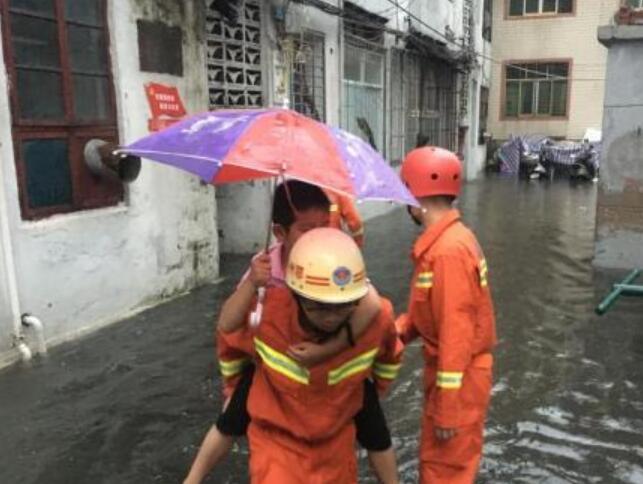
(165, 102)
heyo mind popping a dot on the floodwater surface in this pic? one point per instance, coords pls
(131, 403)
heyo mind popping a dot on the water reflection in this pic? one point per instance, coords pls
(567, 399)
(131, 403)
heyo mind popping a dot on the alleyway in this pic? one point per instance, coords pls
(130, 404)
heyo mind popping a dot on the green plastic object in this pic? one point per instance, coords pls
(625, 288)
(630, 289)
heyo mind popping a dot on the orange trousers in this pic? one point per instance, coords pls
(456, 460)
(279, 458)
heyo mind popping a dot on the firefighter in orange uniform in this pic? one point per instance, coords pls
(450, 308)
(301, 428)
(343, 213)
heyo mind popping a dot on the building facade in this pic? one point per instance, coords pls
(77, 250)
(549, 69)
(81, 250)
(398, 74)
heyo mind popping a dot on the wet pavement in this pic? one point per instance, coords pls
(131, 403)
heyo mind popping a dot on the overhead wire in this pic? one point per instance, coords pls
(333, 10)
(483, 56)
(387, 10)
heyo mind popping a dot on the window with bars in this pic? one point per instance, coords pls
(61, 96)
(235, 77)
(431, 115)
(519, 8)
(363, 99)
(536, 89)
(423, 103)
(307, 82)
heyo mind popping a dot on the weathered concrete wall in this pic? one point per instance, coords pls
(619, 230)
(442, 15)
(82, 270)
(244, 213)
(550, 38)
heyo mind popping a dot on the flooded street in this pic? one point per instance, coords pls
(130, 403)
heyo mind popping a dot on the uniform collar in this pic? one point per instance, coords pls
(432, 233)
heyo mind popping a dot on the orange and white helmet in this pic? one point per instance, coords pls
(325, 265)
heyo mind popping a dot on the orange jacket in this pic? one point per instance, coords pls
(310, 404)
(343, 211)
(450, 307)
(234, 352)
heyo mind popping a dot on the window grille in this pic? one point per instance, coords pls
(235, 76)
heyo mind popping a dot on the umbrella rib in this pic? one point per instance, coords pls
(169, 153)
(265, 170)
(322, 185)
(197, 157)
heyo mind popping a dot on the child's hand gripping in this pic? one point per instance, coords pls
(260, 270)
(310, 354)
(260, 273)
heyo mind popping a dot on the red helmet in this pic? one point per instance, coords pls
(430, 171)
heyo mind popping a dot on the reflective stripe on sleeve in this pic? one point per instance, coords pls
(231, 368)
(483, 273)
(424, 280)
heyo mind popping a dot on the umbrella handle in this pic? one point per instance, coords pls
(255, 316)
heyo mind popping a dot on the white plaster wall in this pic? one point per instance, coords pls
(571, 37)
(82, 270)
(7, 316)
(476, 154)
(439, 15)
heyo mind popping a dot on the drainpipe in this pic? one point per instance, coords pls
(23, 349)
(7, 254)
(30, 321)
(12, 285)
